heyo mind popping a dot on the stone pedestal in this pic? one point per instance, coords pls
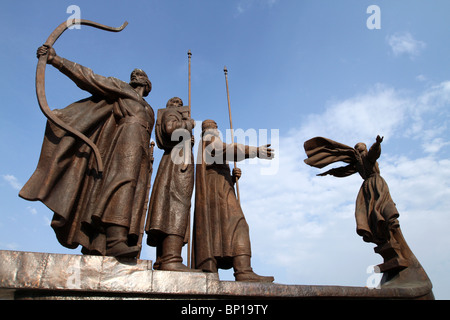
(29, 275)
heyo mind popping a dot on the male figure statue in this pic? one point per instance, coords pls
(104, 214)
(170, 203)
(221, 234)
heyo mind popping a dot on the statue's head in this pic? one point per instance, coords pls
(139, 78)
(209, 126)
(361, 147)
(174, 103)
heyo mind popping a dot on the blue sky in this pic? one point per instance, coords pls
(304, 68)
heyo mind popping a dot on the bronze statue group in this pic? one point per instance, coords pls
(107, 212)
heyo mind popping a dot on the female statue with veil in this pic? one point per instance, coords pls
(376, 214)
(375, 211)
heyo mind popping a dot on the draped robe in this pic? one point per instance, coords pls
(170, 201)
(220, 229)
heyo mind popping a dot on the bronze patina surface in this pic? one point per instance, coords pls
(98, 190)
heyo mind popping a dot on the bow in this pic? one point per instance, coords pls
(40, 83)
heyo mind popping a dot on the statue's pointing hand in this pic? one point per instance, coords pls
(264, 152)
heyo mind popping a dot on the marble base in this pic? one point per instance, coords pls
(31, 275)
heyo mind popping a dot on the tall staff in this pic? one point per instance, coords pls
(189, 57)
(225, 70)
(186, 152)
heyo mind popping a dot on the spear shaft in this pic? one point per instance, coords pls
(189, 220)
(225, 70)
(189, 57)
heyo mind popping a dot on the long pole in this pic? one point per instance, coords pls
(189, 57)
(189, 220)
(225, 70)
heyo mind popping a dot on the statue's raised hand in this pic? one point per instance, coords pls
(379, 139)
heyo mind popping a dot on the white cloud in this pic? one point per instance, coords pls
(12, 180)
(435, 145)
(405, 44)
(388, 112)
(430, 115)
(378, 111)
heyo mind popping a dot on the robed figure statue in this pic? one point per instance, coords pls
(168, 224)
(221, 234)
(102, 213)
(376, 214)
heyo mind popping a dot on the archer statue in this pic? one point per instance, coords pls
(101, 209)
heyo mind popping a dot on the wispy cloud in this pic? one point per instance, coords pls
(380, 110)
(245, 5)
(405, 44)
(32, 210)
(388, 112)
(47, 220)
(10, 245)
(421, 77)
(12, 180)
